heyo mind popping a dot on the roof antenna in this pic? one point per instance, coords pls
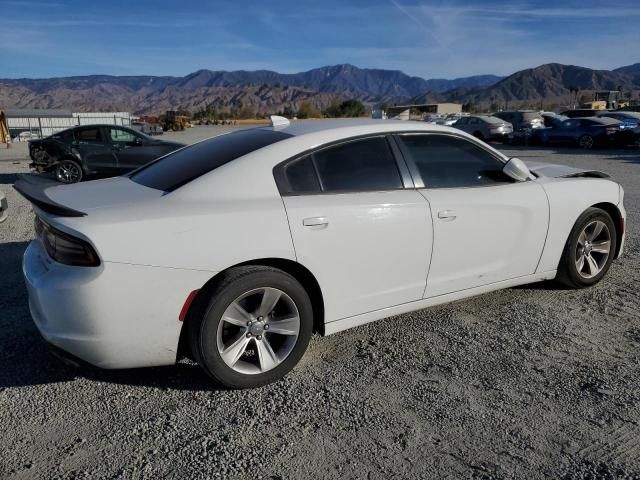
(277, 121)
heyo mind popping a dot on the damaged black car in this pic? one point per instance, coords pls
(95, 151)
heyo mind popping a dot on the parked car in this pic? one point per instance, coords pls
(581, 113)
(95, 151)
(449, 119)
(584, 132)
(485, 127)
(143, 127)
(246, 243)
(629, 120)
(3, 207)
(521, 120)
(157, 129)
(551, 119)
(25, 137)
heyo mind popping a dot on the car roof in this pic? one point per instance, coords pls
(357, 125)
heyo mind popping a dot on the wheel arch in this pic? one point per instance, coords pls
(616, 216)
(295, 269)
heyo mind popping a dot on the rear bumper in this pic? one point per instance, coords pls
(111, 316)
(500, 135)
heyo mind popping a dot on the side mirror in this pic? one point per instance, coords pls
(138, 141)
(516, 169)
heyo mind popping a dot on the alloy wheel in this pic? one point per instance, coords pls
(593, 249)
(586, 141)
(68, 172)
(258, 330)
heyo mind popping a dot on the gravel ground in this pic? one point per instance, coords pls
(532, 382)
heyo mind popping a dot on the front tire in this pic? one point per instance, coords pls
(252, 327)
(68, 171)
(589, 250)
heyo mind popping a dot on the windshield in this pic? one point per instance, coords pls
(182, 166)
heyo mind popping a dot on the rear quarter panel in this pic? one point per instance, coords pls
(568, 198)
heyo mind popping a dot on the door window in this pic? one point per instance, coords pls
(361, 165)
(121, 136)
(89, 135)
(445, 161)
(300, 177)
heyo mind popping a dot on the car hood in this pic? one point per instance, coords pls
(553, 170)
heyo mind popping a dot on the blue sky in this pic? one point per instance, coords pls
(431, 39)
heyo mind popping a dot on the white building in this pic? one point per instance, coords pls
(45, 122)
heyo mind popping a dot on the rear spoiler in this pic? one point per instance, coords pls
(35, 192)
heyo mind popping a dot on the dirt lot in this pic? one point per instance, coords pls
(532, 382)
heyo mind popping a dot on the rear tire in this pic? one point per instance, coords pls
(589, 250)
(251, 328)
(68, 171)
(586, 142)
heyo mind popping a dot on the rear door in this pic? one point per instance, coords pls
(95, 151)
(355, 224)
(487, 228)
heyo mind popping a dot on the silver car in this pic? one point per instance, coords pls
(485, 127)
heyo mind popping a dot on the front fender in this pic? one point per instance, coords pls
(568, 198)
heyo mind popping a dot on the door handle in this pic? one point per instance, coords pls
(447, 215)
(318, 222)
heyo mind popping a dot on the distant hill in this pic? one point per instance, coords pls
(262, 90)
(265, 91)
(632, 71)
(547, 84)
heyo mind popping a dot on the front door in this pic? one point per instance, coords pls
(487, 228)
(131, 150)
(365, 237)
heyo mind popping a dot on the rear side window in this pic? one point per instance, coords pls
(358, 166)
(181, 167)
(300, 176)
(449, 162)
(361, 165)
(89, 135)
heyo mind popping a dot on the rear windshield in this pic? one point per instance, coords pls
(187, 164)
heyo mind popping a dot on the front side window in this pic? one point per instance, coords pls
(121, 136)
(361, 165)
(445, 161)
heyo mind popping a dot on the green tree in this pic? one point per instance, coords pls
(306, 110)
(348, 108)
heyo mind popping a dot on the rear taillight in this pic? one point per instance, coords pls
(64, 248)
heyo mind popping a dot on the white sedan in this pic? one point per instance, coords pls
(238, 248)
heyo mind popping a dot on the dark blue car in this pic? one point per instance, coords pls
(584, 132)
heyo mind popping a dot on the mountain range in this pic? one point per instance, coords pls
(265, 91)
